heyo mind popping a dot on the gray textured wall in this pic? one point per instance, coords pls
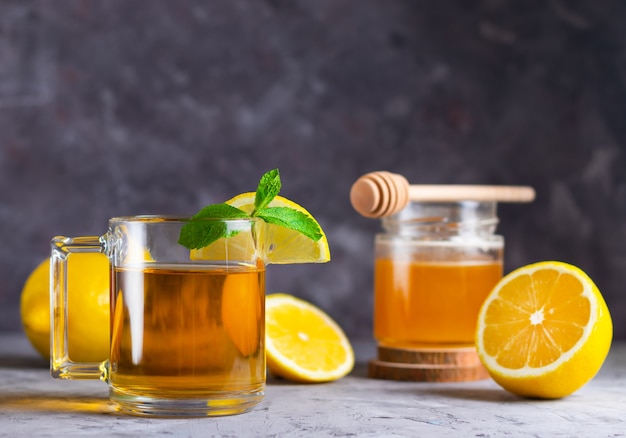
(113, 107)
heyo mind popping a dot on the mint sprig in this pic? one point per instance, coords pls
(201, 231)
(268, 188)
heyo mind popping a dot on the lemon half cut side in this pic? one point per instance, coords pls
(544, 331)
(303, 343)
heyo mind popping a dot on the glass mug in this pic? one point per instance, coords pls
(187, 328)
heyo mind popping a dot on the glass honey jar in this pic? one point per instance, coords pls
(434, 266)
(435, 262)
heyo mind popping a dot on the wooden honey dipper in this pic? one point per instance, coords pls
(381, 194)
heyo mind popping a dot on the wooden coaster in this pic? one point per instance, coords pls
(427, 365)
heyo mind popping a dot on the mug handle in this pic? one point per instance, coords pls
(61, 366)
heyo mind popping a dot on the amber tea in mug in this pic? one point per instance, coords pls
(187, 333)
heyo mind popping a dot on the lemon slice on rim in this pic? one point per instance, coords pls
(274, 244)
(303, 343)
(544, 330)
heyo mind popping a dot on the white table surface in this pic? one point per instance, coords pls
(32, 404)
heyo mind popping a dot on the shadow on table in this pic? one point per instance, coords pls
(494, 395)
(23, 361)
(56, 403)
(471, 390)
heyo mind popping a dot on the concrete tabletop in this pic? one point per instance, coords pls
(35, 405)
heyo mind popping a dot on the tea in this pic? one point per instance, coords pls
(188, 331)
(422, 304)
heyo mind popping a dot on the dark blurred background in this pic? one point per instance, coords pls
(114, 108)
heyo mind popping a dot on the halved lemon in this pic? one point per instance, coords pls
(303, 343)
(544, 330)
(273, 243)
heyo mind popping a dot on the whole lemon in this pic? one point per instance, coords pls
(88, 301)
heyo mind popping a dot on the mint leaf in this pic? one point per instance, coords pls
(268, 188)
(200, 231)
(196, 235)
(293, 219)
(220, 211)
